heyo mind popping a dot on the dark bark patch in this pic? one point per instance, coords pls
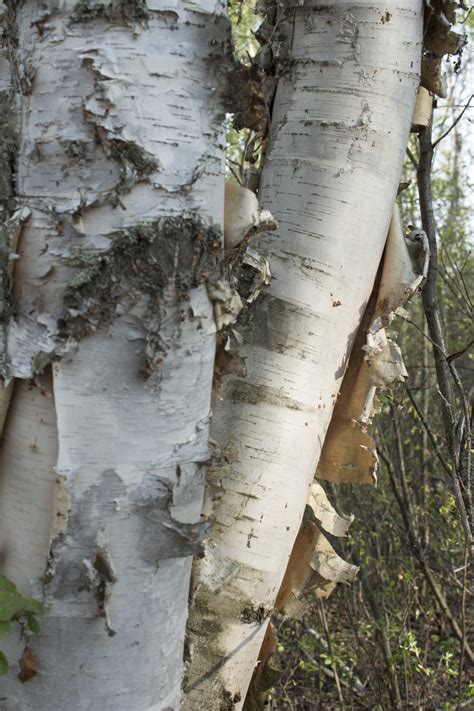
(101, 577)
(8, 145)
(163, 537)
(252, 614)
(133, 155)
(245, 392)
(229, 700)
(76, 150)
(129, 11)
(205, 628)
(142, 262)
(6, 302)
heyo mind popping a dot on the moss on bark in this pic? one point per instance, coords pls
(126, 10)
(142, 262)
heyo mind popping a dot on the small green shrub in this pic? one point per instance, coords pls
(15, 609)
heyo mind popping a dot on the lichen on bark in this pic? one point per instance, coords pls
(142, 262)
(6, 303)
(127, 10)
(8, 226)
(8, 143)
(129, 153)
(206, 631)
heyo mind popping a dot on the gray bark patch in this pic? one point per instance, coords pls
(81, 563)
(163, 537)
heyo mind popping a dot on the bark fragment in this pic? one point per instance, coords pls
(313, 566)
(439, 40)
(242, 215)
(423, 110)
(349, 453)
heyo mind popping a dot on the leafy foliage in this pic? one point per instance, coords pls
(16, 609)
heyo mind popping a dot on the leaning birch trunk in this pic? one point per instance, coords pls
(112, 342)
(340, 126)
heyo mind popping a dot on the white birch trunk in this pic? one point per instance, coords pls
(101, 482)
(339, 130)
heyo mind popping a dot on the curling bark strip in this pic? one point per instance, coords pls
(339, 130)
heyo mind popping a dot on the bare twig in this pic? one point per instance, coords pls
(328, 640)
(460, 353)
(412, 158)
(423, 563)
(455, 122)
(429, 292)
(429, 432)
(463, 621)
(453, 474)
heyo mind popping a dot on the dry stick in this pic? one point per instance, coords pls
(402, 464)
(412, 158)
(444, 369)
(455, 290)
(402, 505)
(394, 686)
(451, 472)
(429, 292)
(360, 603)
(328, 672)
(463, 622)
(465, 290)
(455, 122)
(463, 351)
(428, 573)
(355, 684)
(425, 447)
(328, 640)
(461, 277)
(467, 402)
(429, 431)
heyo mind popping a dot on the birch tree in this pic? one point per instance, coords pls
(109, 338)
(349, 75)
(110, 240)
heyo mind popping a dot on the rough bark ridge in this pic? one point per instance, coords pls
(120, 169)
(340, 125)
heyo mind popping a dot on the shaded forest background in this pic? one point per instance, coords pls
(401, 636)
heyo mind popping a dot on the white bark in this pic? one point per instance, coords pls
(339, 130)
(101, 475)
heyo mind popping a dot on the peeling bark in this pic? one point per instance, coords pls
(376, 362)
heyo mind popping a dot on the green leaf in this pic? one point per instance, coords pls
(3, 663)
(33, 605)
(5, 628)
(6, 584)
(10, 605)
(32, 622)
